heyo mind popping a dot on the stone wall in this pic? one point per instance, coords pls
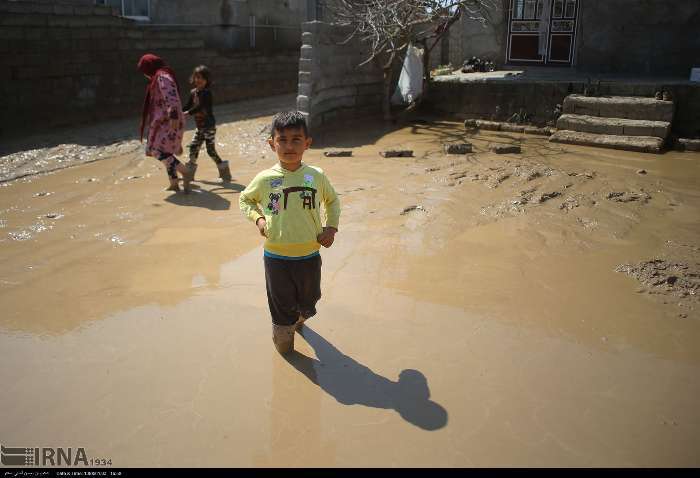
(66, 64)
(649, 37)
(332, 86)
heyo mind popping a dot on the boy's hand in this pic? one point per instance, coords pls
(327, 237)
(261, 223)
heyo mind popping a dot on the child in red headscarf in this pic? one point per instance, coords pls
(162, 111)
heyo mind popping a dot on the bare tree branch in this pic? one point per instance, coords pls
(387, 27)
(383, 24)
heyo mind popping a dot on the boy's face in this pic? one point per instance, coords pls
(289, 144)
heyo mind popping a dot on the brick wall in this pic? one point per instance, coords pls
(331, 85)
(66, 64)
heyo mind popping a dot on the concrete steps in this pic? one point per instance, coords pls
(618, 122)
(616, 126)
(642, 144)
(627, 107)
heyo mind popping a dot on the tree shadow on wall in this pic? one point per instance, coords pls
(352, 383)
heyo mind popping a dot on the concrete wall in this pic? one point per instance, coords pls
(470, 38)
(538, 99)
(226, 23)
(637, 37)
(331, 85)
(649, 37)
(77, 64)
(481, 99)
(270, 12)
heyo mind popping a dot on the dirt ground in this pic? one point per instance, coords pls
(534, 309)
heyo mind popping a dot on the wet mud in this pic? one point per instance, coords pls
(530, 309)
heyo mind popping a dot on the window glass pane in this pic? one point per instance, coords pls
(558, 8)
(570, 8)
(111, 3)
(518, 9)
(135, 8)
(529, 8)
(539, 9)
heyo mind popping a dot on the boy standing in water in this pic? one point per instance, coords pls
(284, 202)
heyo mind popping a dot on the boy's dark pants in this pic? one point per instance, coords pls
(293, 288)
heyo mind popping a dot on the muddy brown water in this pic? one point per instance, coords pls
(487, 327)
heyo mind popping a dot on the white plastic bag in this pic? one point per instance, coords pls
(410, 84)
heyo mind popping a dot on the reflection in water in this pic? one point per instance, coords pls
(351, 383)
(295, 423)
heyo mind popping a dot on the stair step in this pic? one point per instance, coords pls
(618, 126)
(628, 107)
(643, 144)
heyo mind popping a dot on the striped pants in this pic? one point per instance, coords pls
(204, 135)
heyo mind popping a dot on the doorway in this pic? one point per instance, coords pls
(542, 32)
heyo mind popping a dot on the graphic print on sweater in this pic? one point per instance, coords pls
(308, 202)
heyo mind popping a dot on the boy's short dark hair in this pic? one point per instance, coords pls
(288, 119)
(203, 71)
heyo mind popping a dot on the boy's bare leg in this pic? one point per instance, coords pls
(300, 321)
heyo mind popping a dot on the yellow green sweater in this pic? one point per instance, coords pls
(290, 203)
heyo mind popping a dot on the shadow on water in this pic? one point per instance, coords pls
(352, 383)
(369, 130)
(232, 187)
(199, 197)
